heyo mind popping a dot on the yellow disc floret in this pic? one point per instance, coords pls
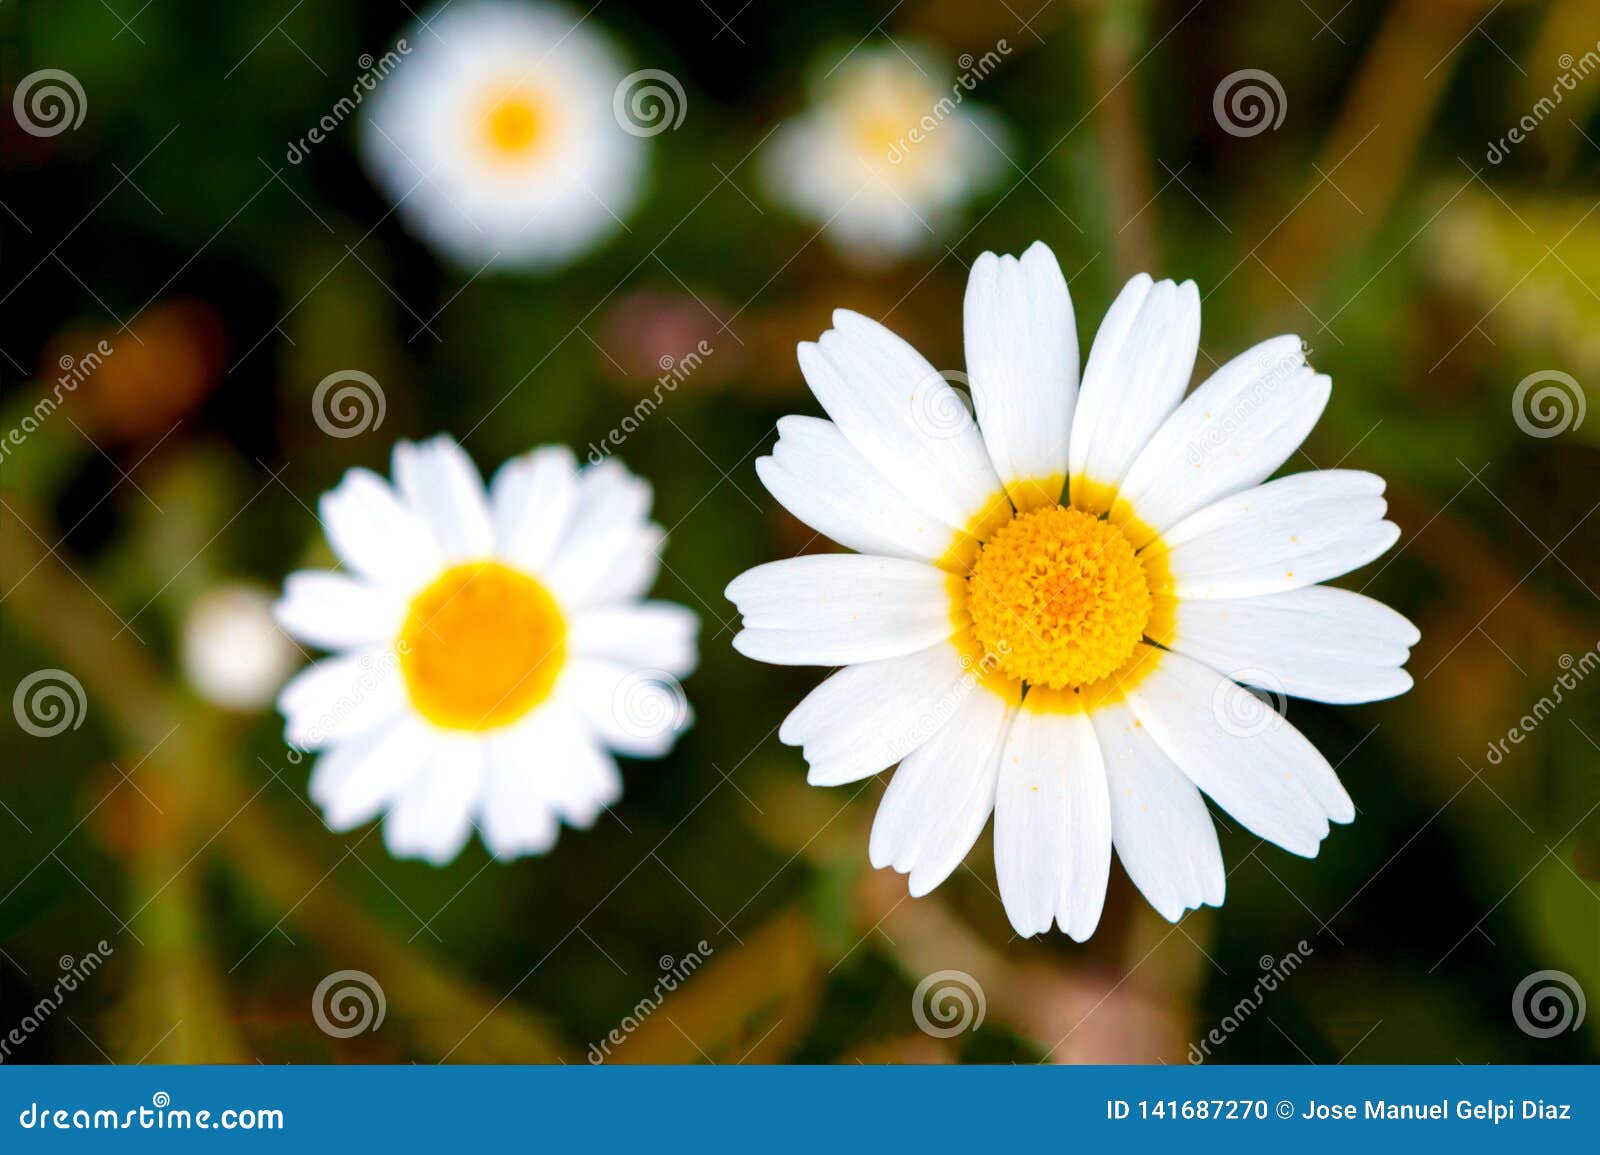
(481, 646)
(514, 124)
(1059, 597)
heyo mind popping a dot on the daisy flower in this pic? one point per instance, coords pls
(496, 137)
(1053, 607)
(492, 649)
(886, 154)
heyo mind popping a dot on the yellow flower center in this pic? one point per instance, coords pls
(481, 646)
(515, 124)
(882, 114)
(1058, 597)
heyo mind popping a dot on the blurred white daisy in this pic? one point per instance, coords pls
(492, 650)
(886, 154)
(1069, 654)
(496, 137)
(233, 653)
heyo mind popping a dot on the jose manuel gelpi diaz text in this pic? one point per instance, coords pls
(1492, 1110)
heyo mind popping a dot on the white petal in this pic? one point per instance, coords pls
(610, 551)
(573, 774)
(903, 416)
(608, 499)
(374, 533)
(443, 488)
(940, 797)
(869, 716)
(1257, 767)
(835, 609)
(823, 480)
(639, 712)
(644, 635)
(531, 500)
(602, 571)
(1052, 824)
(432, 818)
(514, 816)
(1139, 367)
(1292, 532)
(1327, 644)
(1231, 433)
(1162, 830)
(1022, 364)
(356, 779)
(336, 612)
(342, 695)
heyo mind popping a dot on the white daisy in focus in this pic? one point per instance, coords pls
(885, 156)
(492, 650)
(496, 137)
(233, 653)
(1069, 654)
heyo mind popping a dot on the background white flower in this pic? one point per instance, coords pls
(885, 155)
(496, 137)
(234, 654)
(486, 642)
(1053, 607)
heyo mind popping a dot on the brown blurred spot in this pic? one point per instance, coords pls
(137, 384)
(651, 336)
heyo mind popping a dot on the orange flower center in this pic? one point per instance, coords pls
(1058, 597)
(481, 647)
(515, 125)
